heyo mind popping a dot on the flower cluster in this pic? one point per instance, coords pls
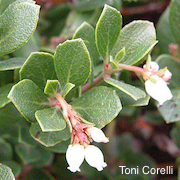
(155, 84)
(80, 148)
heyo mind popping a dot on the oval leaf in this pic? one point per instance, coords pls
(51, 87)
(49, 138)
(138, 38)
(72, 62)
(17, 24)
(99, 105)
(130, 90)
(6, 172)
(39, 68)
(28, 98)
(50, 119)
(107, 30)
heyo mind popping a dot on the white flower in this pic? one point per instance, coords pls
(75, 157)
(97, 135)
(159, 90)
(153, 66)
(94, 157)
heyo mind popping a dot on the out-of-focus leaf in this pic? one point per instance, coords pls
(164, 34)
(173, 66)
(174, 18)
(170, 110)
(4, 91)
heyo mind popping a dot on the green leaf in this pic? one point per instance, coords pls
(37, 174)
(12, 63)
(164, 33)
(87, 34)
(4, 91)
(28, 154)
(24, 136)
(170, 110)
(39, 68)
(128, 101)
(72, 62)
(50, 119)
(99, 105)
(175, 134)
(60, 147)
(9, 115)
(67, 88)
(17, 24)
(138, 38)
(51, 87)
(173, 66)
(6, 173)
(130, 90)
(49, 138)
(28, 98)
(174, 18)
(107, 30)
(16, 168)
(46, 157)
(120, 55)
(6, 151)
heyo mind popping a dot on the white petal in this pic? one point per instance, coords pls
(94, 157)
(97, 135)
(153, 66)
(159, 90)
(75, 157)
(167, 75)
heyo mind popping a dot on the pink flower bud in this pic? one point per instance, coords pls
(75, 157)
(158, 90)
(94, 157)
(167, 75)
(97, 135)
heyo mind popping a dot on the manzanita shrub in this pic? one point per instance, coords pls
(56, 101)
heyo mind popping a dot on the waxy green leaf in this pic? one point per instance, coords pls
(49, 138)
(87, 33)
(50, 119)
(138, 38)
(4, 91)
(107, 30)
(6, 172)
(72, 62)
(130, 90)
(17, 24)
(28, 98)
(170, 110)
(12, 63)
(174, 18)
(67, 88)
(39, 68)
(99, 105)
(51, 87)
